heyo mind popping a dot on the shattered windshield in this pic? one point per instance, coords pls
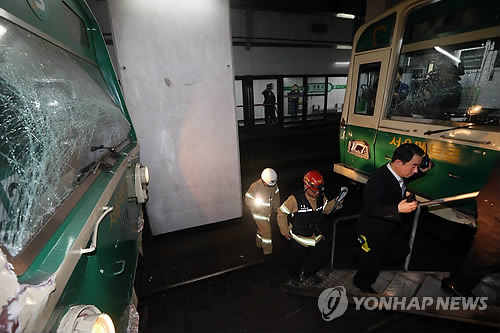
(54, 107)
(449, 83)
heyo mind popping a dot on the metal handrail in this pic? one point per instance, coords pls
(412, 237)
(417, 216)
(340, 219)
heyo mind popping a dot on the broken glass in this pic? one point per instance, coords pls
(447, 84)
(54, 107)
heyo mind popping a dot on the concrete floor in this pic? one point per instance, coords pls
(213, 278)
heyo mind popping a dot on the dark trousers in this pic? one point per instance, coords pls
(389, 249)
(306, 259)
(269, 114)
(293, 108)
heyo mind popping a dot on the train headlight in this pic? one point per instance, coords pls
(141, 181)
(474, 110)
(86, 319)
(144, 175)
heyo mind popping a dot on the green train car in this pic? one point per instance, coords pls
(71, 182)
(427, 72)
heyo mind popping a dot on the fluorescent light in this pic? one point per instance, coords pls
(446, 53)
(341, 63)
(344, 47)
(346, 16)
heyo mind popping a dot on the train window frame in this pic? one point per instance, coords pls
(369, 91)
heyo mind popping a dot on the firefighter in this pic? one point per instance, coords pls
(307, 247)
(263, 197)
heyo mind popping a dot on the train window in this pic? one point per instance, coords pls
(450, 17)
(449, 83)
(54, 107)
(367, 88)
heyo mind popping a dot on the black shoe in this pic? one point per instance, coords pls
(366, 289)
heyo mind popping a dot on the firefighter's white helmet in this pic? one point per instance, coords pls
(269, 176)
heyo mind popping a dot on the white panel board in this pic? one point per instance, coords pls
(176, 73)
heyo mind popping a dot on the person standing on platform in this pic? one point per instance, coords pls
(263, 198)
(269, 104)
(293, 100)
(383, 227)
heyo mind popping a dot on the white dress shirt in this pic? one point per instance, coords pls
(399, 179)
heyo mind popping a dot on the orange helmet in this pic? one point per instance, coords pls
(314, 181)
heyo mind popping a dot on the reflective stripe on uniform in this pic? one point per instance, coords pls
(262, 203)
(265, 240)
(277, 190)
(285, 209)
(260, 217)
(248, 195)
(326, 201)
(306, 241)
(305, 210)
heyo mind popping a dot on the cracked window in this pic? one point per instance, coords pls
(54, 107)
(447, 84)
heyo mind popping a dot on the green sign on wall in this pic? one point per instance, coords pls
(318, 87)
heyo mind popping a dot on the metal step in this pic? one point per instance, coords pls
(405, 284)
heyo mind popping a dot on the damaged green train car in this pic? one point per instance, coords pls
(71, 182)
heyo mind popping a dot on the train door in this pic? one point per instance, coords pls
(365, 105)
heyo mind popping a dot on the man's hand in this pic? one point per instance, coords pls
(428, 168)
(288, 236)
(407, 207)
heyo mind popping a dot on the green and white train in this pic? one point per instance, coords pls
(72, 185)
(427, 72)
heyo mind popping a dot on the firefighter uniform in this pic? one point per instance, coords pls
(308, 249)
(262, 200)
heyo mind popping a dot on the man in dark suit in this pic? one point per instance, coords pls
(381, 226)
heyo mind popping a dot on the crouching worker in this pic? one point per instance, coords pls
(306, 208)
(263, 197)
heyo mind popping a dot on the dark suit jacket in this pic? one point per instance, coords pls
(379, 216)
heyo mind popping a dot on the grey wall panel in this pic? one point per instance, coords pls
(283, 25)
(176, 71)
(290, 61)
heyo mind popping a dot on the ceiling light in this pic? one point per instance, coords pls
(346, 16)
(344, 47)
(446, 53)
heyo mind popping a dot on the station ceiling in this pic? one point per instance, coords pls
(321, 7)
